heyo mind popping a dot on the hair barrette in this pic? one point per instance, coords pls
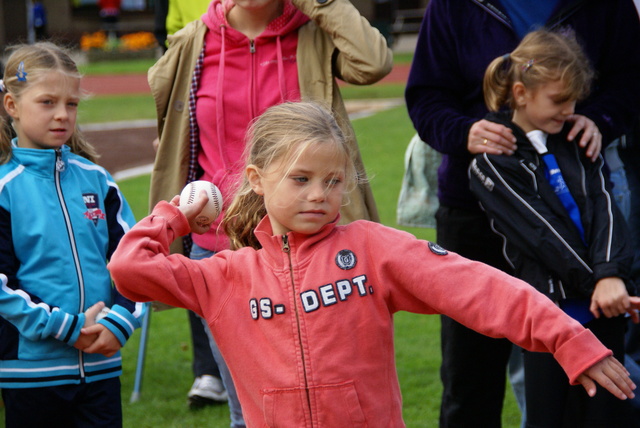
(21, 74)
(526, 66)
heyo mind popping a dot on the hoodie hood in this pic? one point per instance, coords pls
(215, 18)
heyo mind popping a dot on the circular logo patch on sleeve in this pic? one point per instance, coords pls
(345, 259)
(437, 249)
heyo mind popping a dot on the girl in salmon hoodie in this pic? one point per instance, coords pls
(303, 309)
(240, 58)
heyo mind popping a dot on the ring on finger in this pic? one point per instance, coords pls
(485, 141)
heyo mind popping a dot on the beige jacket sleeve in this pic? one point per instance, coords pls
(170, 81)
(362, 55)
(339, 43)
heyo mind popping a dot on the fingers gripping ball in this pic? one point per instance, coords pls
(213, 208)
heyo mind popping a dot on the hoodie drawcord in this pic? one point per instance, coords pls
(220, 101)
(281, 78)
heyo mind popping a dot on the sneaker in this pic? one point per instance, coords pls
(206, 390)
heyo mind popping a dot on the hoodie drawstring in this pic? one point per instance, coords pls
(220, 102)
(282, 80)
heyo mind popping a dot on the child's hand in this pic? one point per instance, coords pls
(106, 343)
(609, 296)
(191, 211)
(611, 375)
(90, 314)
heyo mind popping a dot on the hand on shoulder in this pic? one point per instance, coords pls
(490, 137)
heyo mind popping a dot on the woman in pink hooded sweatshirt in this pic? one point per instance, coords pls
(241, 57)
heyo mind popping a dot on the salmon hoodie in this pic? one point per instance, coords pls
(240, 79)
(306, 322)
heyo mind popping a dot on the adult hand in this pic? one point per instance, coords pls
(611, 375)
(591, 137)
(490, 137)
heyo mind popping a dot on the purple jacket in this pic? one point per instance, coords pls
(459, 38)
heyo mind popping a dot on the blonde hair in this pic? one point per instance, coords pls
(542, 57)
(37, 60)
(282, 133)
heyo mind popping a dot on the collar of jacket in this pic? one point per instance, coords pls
(300, 244)
(40, 161)
(526, 151)
(563, 11)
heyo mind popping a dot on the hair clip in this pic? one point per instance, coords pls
(2, 87)
(21, 74)
(527, 65)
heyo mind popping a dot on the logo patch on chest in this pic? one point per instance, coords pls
(346, 260)
(93, 213)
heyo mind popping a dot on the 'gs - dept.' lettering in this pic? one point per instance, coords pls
(312, 300)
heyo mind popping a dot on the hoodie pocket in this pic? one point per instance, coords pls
(332, 406)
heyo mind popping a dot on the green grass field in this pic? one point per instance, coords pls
(383, 139)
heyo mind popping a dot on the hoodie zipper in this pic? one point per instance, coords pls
(252, 84)
(59, 167)
(287, 249)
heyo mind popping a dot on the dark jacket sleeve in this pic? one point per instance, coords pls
(436, 87)
(610, 249)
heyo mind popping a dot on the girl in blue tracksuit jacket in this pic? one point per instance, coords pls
(62, 322)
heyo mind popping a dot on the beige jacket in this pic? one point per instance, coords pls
(336, 43)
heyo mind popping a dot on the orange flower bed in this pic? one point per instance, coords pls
(138, 41)
(97, 40)
(128, 42)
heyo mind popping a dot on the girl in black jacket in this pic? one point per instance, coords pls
(563, 233)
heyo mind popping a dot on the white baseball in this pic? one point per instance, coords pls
(213, 208)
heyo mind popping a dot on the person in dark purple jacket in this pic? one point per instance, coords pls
(457, 40)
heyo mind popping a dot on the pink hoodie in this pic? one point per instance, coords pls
(240, 79)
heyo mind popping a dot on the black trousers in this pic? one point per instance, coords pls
(88, 405)
(474, 366)
(553, 403)
(203, 361)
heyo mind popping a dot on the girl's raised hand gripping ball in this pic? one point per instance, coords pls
(213, 207)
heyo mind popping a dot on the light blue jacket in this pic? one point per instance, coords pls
(61, 217)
